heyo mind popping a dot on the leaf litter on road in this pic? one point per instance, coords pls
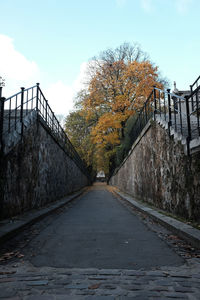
(9, 255)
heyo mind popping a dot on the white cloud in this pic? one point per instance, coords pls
(182, 6)
(121, 3)
(81, 80)
(147, 5)
(61, 96)
(15, 68)
(19, 71)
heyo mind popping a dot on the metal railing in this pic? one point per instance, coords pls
(195, 84)
(145, 114)
(193, 87)
(193, 103)
(14, 109)
(172, 109)
(181, 114)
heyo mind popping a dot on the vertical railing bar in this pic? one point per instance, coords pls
(32, 99)
(188, 124)
(155, 104)
(9, 115)
(197, 109)
(37, 97)
(173, 98)
(169, 109)
(46, 111)
(44, 106)
(180, 112)
(27, 101)
(21, 111)
(2, 101)
(191, 90)
(41, 104)
(48, 115)
(15, 112)
(164, 95)
(159, 102)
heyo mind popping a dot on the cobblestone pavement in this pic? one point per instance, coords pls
(23, 281)
(20, 279)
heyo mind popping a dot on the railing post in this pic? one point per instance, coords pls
(155, 104)
(2, 100)
(188, 124)
(46, 110)
(22, 110)
(37, 103)
(191, 90)
(169, 109)
(37, 96)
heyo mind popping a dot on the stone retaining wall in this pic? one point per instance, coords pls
(36, 172)
(158, 172)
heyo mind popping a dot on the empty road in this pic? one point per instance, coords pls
(97, 247)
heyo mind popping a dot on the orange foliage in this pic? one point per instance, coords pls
(116, 91)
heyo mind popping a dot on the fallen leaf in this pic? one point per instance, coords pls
(94, 286)
(173, 237)
(8, 254)
(20, 255)
(7, 273)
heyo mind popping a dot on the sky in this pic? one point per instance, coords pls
(51, 41)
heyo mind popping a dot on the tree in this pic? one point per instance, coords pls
(120, 81)
(78, 131)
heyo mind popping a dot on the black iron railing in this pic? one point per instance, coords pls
(193, 103)
(181, 115)
(195, 84)
(14, 110)
(16, 107)
(193, 87)
(171, 109)
(145, 114)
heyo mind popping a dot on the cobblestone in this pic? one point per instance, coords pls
(54, 283)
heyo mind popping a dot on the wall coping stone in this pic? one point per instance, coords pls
(10, 227)
(183, 230)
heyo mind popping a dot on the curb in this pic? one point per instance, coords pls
(9, 228)
(184, 231)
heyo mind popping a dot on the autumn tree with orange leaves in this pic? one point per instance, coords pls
(120, 82)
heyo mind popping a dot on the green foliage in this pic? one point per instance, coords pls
(78, 132)
(126, 143)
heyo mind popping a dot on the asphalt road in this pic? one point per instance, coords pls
(98, 231)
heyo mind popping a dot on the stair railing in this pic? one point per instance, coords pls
(171, 108)
(194, 112)
(193, 87)
(45, 112)
(17, 107)
(14, 109)
(174, 110)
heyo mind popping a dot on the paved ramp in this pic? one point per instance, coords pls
(99, 232)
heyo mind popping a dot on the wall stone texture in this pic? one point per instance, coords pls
(37, 171)
(158, 172)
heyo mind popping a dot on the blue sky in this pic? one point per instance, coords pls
(51, 41)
